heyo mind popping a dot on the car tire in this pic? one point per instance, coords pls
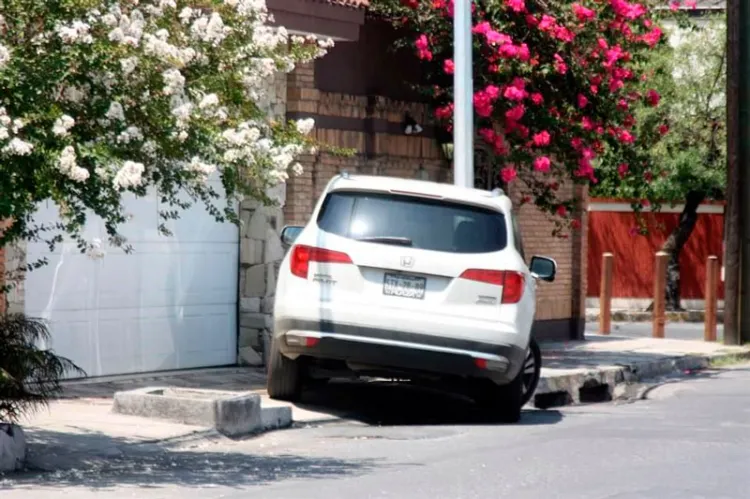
(503, 401)
(284, 377)
(531, 371)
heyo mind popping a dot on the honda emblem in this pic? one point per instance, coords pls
(407, 262)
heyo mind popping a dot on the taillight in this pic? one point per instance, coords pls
(303, 255)
(511, 281)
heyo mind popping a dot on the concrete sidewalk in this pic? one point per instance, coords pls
(590, 371)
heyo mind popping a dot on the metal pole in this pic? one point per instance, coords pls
(605, 294)
(660, 283)
(463, 92)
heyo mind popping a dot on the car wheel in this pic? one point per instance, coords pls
(284, 376)
(532, 371)
(504, 401)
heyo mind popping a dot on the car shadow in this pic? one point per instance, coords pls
(387, 403)
(93, 460)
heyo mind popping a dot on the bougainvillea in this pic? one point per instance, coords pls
(103, 98)
(556, 87)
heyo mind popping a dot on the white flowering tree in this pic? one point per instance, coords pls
(99, 98)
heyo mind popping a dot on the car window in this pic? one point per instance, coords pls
(412, 221)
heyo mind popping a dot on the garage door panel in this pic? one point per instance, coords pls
(171, 304)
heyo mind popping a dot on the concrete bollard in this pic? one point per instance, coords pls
(660, 288)
(605, 294)
(711, 295)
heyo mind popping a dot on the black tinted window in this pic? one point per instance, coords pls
(411, 221)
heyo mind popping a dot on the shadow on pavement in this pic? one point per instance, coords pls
(392, 404)
(99, 462)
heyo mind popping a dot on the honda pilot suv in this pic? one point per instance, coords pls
(411, 280)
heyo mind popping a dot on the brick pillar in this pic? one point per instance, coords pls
(302, 98)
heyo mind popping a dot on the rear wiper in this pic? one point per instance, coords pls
(399, 241)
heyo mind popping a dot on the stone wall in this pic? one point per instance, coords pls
(260, 253)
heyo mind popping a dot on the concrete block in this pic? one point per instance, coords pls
(272, 271)
(12, 447)
(266, 304)
(230, 413)
(251, 251)
(258, 224)
(249, 356)
(276, 417)
(255, 282)
(249, 337)
(252, 305)
(254, 321)
(274, 251)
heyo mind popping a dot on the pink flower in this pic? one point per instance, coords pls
(449, 66)
(560, 65)
(561, 210)
(483, 104)
(582, 100)
(652, 37)
(537, 98)
(501, 149)
(602, 44)
(625, 137)
(594, 89)
(542, 164)
(692, 4)
(615, 85)
(523, 52)
(674, 6)
(423, 51)
(576, 143)
(627, 10)
(564, 34)
(495, 38)
(663, 129)
(541, 139)
(508, 174)
(492, 91)
(623, 169)
(488, 135)
(516, 5)
(653, 98)
(445, 112)
(547, 23)
(516, 113)
(481, 28)
(583, 13)
(648, 176)
(508, 51)
(622, 105)
(514, 93)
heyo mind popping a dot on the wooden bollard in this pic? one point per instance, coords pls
(712, 283)
(605, 294)
(660, 288)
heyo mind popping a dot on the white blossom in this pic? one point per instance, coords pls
(4, 56)
(305, 126)
(174, 82)
(297, 169)
(74, 94)
(77, 31)
(185, 15)
(210, 29)
(109, 20)
(18, 147)
(67, 163)
(130, 134)
(116, 112)
(128, 65)
(209, 100)
(130, 175)
(201, 167)
(4, 134)
(62, 125)
(95, 250)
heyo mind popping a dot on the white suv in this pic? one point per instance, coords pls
(411, 280)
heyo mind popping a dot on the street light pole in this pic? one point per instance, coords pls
(463, 91)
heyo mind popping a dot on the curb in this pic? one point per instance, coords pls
(635, 316)
(604, 384)
(228, 413)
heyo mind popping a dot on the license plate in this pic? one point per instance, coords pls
(404, 286)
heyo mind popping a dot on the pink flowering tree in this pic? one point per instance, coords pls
(558, 89)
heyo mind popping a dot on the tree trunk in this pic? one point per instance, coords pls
(674, 244)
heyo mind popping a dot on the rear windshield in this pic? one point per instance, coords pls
(414, 222)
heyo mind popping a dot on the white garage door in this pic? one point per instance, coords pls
(171, 304)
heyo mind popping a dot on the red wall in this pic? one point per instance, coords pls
(610, 232)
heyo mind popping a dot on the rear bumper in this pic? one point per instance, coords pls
(397, 351)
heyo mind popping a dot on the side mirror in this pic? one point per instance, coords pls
(543, 268)
(290, 233)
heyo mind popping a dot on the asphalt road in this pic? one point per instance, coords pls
(677, 330)
(688, 440)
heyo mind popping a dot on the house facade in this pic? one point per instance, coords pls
(204, 297)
